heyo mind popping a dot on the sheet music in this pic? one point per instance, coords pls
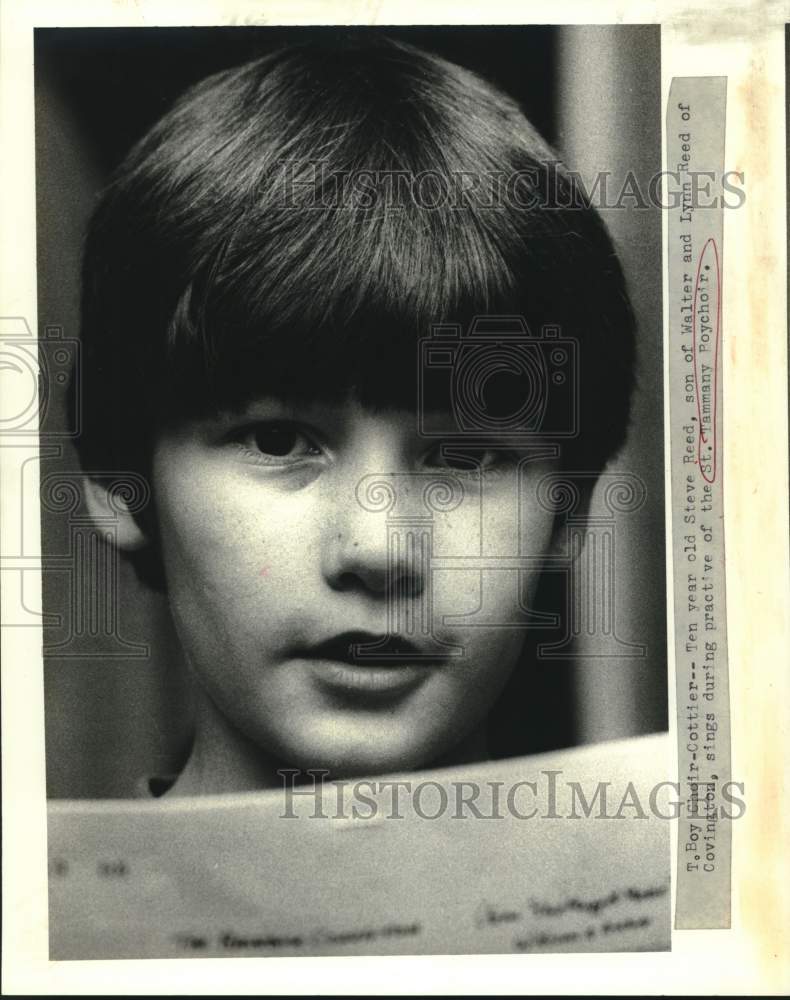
(262, 874)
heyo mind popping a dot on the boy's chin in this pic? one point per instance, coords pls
(353, 762)
(389, 753)
(349, 758)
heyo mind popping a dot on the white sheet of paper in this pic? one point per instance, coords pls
(235, 876)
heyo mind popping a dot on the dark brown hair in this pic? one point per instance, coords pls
(258, 240)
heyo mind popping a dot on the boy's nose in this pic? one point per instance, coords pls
(365, 550)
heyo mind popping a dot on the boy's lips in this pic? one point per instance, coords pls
(360, 663)
(368, 649)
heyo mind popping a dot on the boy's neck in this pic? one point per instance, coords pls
(225, 761)
(222, 759)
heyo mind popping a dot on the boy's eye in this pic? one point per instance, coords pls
(275, 443)
(276, 440)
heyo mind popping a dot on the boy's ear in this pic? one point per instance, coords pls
(128, 536)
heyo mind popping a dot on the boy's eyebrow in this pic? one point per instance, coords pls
(283, 407)
(251, 406)
(297, 404)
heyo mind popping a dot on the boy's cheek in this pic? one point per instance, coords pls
(244, 541)
(455, 592)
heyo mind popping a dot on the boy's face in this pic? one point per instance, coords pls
(276, 564)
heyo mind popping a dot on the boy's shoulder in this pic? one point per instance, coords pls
(153, 786)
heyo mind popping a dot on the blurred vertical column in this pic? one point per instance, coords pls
(609, 119)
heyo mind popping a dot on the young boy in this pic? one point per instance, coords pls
(325, 286)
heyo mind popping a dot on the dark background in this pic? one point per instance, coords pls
(119, 81)
(119, 709)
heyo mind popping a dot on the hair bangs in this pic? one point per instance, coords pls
(332, 303)
(299, 225)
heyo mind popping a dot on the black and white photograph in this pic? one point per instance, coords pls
(364, 478)
(370, 439)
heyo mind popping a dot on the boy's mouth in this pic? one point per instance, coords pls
(363, 664)
(367, 649)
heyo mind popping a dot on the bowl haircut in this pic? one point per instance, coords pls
(294, 226)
